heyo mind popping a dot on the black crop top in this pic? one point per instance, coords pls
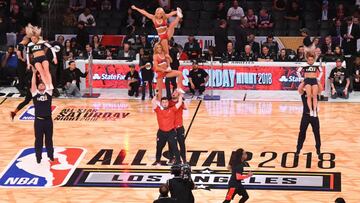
(310, 69)
(40, 46)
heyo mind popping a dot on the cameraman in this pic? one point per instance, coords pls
(181, 185)
(164, 197)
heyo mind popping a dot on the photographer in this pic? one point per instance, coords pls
(181, 185)
(9, 64)
(164, 197)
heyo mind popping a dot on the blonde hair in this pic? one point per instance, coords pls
(155, 48)
(32, 31)
(162, 11)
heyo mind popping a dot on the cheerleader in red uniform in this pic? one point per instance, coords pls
(160, 18)
(162, 62)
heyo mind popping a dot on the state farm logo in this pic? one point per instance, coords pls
(105, 76)
(289, 79)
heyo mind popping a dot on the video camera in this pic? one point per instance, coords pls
(182, 170)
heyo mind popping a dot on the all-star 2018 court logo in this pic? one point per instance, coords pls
(23, 171)
(29, 113)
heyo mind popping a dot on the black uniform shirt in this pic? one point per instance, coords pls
(42, 103)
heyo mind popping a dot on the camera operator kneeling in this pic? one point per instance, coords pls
(164, 198)
(181, 185)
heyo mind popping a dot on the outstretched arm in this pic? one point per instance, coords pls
(143, 12)
(154, 102)
(33, 82)
(179, 103)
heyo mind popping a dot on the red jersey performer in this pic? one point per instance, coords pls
(160, 18)
(161, 62)
(166, 121)
(179, 127)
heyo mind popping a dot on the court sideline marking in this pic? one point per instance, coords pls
(3, 100)
(193, 118)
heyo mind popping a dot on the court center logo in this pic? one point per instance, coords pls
(23, 171)
(29, 113)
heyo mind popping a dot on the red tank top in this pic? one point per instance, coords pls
(163, 24)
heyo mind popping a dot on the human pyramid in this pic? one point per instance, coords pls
(161, 57)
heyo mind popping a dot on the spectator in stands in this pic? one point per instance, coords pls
(3, 7)
(75, 47)
(4, 28)
(230, 54)
(221, 37)
(130, 19)
(67, 49)
(266, 55)
(198, 78)
(97, 47)
(12, 5)
(250, 19)
(318, 54)
(108, 54)
(16, 19)
(325, 11)
(165, 4)
(89, 52)
(255, 46)
(220, 13)
(174, 64)
(71, 80)
(293, 12)
(9, 63)
(338, 53)
(273, 45)
(126, 53)
(144, 43)
(316, 42)
(240, 37)
(283, 57)
(210, 54)
(279, 5)
(82, 36)
(340, 12)
(339, 200)
(69, 18)
(265, 20)
(235, 13)
(335, 30)
(328, 47)
(130, 35)
(28, 10)
(356, 74)
(77, 5)
(133, 79)
(87, 18)
(93, 5)
(106, 5)
(164, 195)
(340, 81)
(248, 54)
(192, 48)
(350, 33)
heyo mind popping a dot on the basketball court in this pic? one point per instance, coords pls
(113, 143)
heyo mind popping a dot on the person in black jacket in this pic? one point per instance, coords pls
(230, 53)
(221, 38)
(180, 187)
(350, 33)
(164, 198)
(255, 46)
(71, 80)
(82, 36)
(133, 81)
(192, 48)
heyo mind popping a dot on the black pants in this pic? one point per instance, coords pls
(149, 82)
(43, 127)
(315, 124)
(170, 138)
(197, 87)
(26, 101)
(180, 137)
(169, 81)
(134, 89)
(232, 191)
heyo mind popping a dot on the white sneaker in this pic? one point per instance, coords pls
(312, 113)
(180, 90)
(179, 12)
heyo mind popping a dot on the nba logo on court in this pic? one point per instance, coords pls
(29, 114)
(23, 171)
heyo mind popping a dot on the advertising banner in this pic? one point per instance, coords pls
(221, 77)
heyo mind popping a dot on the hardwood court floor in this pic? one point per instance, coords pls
(219, 127)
